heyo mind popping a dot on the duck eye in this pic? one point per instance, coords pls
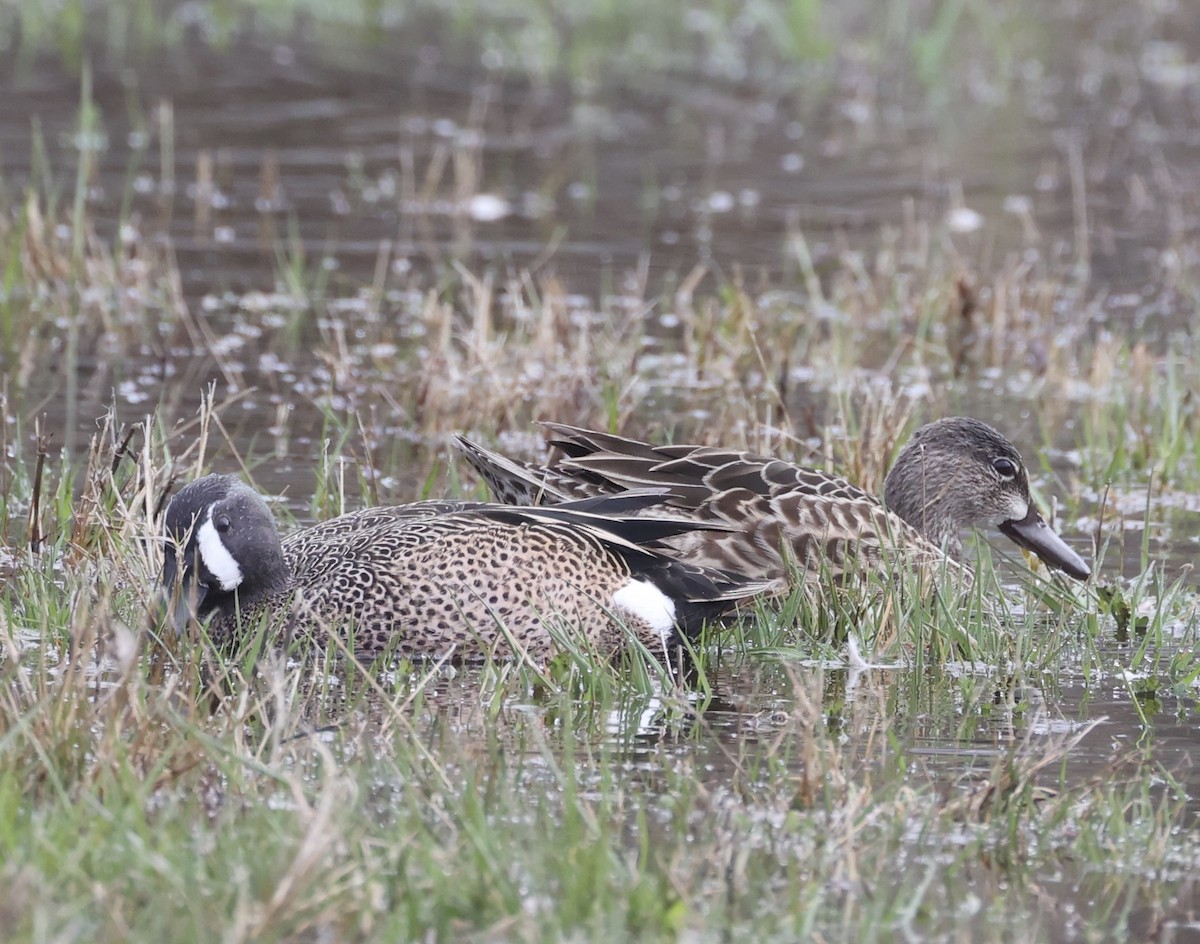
(1005, 466)
(222, 524)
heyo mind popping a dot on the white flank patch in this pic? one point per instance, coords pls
(646, 602)
(216, 555)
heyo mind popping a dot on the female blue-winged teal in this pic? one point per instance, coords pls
(954, 473)
(441, 578)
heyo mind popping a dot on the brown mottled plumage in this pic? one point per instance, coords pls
(437, 578)
(954, 473)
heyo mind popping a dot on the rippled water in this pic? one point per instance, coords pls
(276, 132)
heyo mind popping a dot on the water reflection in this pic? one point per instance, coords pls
(439, 158)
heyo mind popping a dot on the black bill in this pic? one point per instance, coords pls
(1033, 534)
(179, 594)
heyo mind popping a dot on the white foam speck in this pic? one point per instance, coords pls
(216, 555)
(964, 220)
(644, 601)
(487, 208)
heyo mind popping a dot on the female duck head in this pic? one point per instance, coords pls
(959, 472)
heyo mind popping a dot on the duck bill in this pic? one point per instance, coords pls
(1033, 534)
(182, 597)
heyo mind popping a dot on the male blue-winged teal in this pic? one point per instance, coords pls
(955, 473)
(441, 578)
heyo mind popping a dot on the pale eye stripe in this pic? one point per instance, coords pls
(216, 556)
(1016, 511)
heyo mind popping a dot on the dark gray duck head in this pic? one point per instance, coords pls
(222, 549)
(959, 472)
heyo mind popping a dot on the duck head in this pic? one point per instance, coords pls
(221, 549)
(960, 472)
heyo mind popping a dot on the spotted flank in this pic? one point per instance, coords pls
(783, 519)
(441, 578)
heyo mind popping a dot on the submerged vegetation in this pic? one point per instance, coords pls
(846, 766)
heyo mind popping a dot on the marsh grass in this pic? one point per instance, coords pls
(153, 786)
(483, 808)
(841, 766)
